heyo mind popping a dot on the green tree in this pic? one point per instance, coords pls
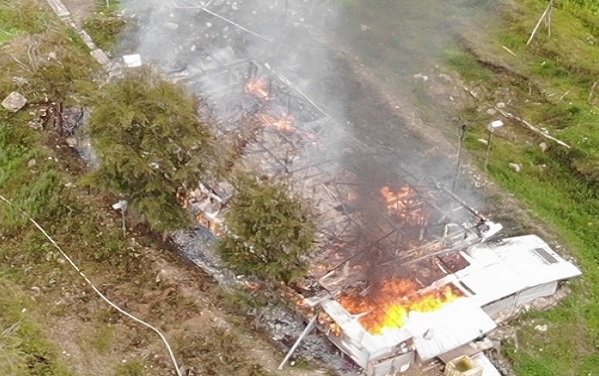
(151, 143)
(269, 232)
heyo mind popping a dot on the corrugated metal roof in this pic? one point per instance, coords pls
(449, 328)
(374, 345)
(499, 270)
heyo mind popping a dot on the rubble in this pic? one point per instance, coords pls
(14, 102)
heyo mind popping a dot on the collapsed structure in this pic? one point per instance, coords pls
(405, 271)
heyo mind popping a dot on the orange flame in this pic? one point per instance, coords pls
(283, 123)
(258, 87)
(404, 204)
(395, 299)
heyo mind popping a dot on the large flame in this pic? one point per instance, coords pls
(393, 301)
(258, 87)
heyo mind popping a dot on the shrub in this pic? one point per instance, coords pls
(269, 232)
(151, 143)
(105, 24)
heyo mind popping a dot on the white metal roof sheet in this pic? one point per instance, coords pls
(455, 325)
(499, 270)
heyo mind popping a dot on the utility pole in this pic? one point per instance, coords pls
(462, 137)
(491, 129)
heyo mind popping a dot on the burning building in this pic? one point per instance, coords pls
(405, 271)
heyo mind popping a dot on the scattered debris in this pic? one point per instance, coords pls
(420, 76)
(133, 60)
(121, 205)
(14, 102)
(515, 166)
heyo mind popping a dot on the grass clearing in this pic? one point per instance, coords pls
(550, 84)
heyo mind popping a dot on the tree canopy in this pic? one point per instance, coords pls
(151, 143)
(269, 231)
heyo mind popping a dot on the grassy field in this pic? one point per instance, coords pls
(551, 84)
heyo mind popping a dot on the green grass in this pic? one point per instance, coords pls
(560, 186)
(105, 24)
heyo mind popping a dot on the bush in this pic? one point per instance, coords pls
(105, 24)
(151, 143)
(269, 232)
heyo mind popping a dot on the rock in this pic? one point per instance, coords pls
(515, 166)
(72, 142)
(500, 105)
(31, 163)
(52, 56)
(541, 328)
(491, 111)
(543, 146)
(365, 27)
(483, 141)
(14, 102)
(420, 76)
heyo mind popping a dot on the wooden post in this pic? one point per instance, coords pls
(306, 331)
(546, 13)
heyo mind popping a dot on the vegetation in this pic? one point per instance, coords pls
(105, 24)
(151, 144)
(550, 83)
(21, 16)
(269, 232)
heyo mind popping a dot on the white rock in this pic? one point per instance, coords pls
(491, 111)
(541, 328)
(72, 142)
(31, 163)
(500, 105)
(543, 146)
(14, 102)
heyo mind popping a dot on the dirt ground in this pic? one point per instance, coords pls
(79, 9)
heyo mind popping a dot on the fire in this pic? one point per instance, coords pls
(258, 87)
(283, 123)
(393, 301)
(404, 204)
